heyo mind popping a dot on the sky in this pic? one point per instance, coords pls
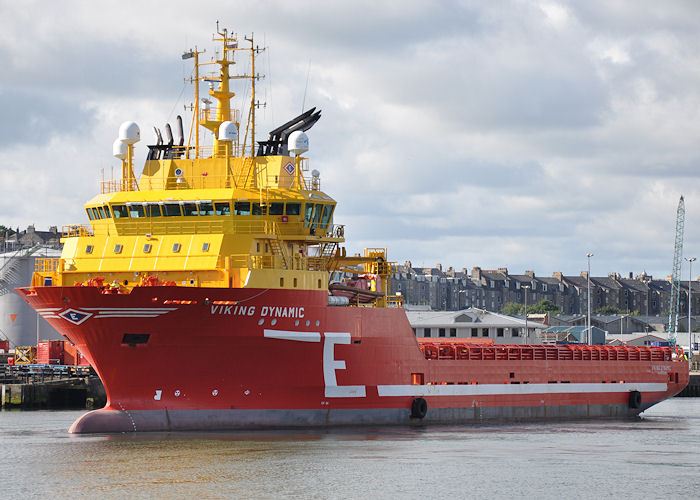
(518, 134)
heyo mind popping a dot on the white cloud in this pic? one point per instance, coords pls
(512, 134)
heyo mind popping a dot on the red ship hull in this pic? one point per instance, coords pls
(176, 358)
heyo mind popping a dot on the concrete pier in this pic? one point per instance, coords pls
(76, 392)
(693, 387)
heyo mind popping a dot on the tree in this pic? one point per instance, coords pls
(3, 230)
(544, 306)
(608, 310)
(513, 309)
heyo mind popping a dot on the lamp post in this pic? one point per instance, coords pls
(690, 302)
(588, 279)
(527, 332)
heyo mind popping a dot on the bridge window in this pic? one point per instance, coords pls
(120, 211)
(327, 211)
(206, 208)
(153, 210)
(136, 211)
(222, 208)
(171, 210)
(241, 208)
(308, 210)
(276, 208)
(108, 214)
(293, 208)
(189, 209)
(258, 209)
(318, 209)
(101, 211)
(95, 213)
(89, 214)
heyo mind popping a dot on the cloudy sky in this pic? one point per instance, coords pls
(518, 134)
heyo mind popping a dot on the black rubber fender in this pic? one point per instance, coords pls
(635, 400)
(419, 408)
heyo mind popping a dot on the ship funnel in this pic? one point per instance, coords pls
(228, 131)
(119, 149)
(129, 133)
(181, 139)
(298, 142)
(169, 133)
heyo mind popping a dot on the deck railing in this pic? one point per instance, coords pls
(467, 351)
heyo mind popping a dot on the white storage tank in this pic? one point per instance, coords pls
(18, 321)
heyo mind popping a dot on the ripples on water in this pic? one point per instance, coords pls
(657, 456)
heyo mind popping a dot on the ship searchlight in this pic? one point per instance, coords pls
(129, 133)
(298, 142)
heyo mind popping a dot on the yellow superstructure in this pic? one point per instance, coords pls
(211, 216)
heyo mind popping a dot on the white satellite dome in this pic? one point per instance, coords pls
(298, 142)
(129, 133)
(228, 131)
(119, 149)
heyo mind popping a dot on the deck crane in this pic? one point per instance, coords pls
(676, 276)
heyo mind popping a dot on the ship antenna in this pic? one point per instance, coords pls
(308, 70)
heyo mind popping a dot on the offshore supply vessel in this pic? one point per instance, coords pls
(201, 293)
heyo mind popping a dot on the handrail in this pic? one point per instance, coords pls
(451, 349)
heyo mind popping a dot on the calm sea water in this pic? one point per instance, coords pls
(656, 456)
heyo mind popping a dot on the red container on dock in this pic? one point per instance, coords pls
(70, 354)
(50, 352)
(5, 345)
(81, 360)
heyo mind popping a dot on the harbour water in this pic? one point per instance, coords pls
(656, 456)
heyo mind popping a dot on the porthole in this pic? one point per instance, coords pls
(118, 248)
(89, 248)
(147, 248)
(176, 247)
(205, 247)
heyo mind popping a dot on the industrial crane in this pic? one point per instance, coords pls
(676, 276)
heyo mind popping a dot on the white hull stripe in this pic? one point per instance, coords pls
(130, 309)
(298, 336)
(48, 309)
(512, 389)
(97, 316)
